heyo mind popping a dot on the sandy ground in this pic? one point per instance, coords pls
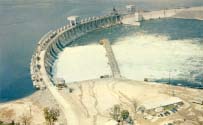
(192, 13)
(16, 109)
(30, 106)
(185, 13)
(195, 14)
(93, 100)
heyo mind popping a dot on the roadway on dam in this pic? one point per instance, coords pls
(65, 105)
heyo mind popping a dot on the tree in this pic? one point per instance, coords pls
(115, 112)
(26, 119)
(135, 105)
(135, 108)
(124, 114)
(51, 115)
(12, 123)
(38, 58)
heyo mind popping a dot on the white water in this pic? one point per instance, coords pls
(139, 56)
(150, 56)
(82, 63)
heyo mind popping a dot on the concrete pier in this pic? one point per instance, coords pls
(112, 60)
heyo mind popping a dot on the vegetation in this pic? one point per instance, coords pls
(124, 114)
(169, 107)
(51, 115)
(121, 116)
(26, 119)
(38, 58)
(135, 105)
(12, 123)
(115, 112)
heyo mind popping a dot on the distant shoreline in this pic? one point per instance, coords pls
(183, 13)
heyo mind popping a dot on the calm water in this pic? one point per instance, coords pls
(23, 22)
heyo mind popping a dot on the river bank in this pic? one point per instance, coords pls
(183, 13)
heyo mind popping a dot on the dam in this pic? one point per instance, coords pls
(52, 43)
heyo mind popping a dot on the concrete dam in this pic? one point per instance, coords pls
(54, 41)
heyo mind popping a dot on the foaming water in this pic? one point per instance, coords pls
(139, 55)
(82, 63)
(158, 58)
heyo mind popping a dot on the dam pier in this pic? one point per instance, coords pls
(111, 57)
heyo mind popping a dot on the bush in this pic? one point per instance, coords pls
(124, 114)
(51, 115)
